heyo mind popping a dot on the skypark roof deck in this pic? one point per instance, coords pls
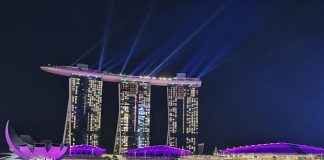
(110, 77)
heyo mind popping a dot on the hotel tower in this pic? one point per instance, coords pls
(83, 118)
(133, 128)
(183, 116)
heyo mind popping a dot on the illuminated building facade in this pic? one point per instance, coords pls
(133, 128)
(183, 116)
(83, 119)
(26, 148)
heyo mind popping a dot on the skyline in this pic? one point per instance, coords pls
(261, 63)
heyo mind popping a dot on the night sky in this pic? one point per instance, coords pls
(261, 64)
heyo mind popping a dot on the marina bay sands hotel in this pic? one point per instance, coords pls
(83, 118)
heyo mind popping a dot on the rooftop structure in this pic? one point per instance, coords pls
(161, 152)
(86, 151)
(26, 148)
(275, 148)
(110, 77)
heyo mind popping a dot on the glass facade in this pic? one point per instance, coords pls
(133, 128)
(83, 119)
(183, 116)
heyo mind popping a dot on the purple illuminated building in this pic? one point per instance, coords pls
(133, 125)
(86, 151)
(275, 148)
(160, 152)
(26, 148)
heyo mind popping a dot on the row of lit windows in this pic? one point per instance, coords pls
(189, 97)
(131, 93)
(92, 91)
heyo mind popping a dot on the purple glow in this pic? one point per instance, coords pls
(86, 151)
(28, 151)
(56, 151)
(68, 71)
(156, 152)
(11, 144)
(275, 148)
(41, 152)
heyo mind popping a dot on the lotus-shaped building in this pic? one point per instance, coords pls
(26, 148)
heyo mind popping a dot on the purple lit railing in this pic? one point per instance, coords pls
(86, 151)
(275, 148)
(156, 152)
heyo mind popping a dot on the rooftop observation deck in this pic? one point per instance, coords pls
(110, 77)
